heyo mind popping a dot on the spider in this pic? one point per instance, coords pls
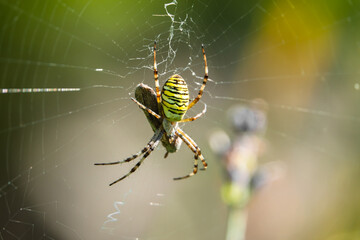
(164, 111)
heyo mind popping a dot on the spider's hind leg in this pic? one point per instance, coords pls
(206, 77)
(156, 77)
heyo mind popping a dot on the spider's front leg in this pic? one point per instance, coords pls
(193, 146)
(195, 149)
(145, 152)
(142, 151)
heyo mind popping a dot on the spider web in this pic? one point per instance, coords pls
(69, 68)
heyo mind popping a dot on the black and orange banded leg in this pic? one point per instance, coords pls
(195, 146)
(137, 165)
(152, 145)
(146, 108)
(196, 117)
(129, 159)
(195, 169)
(156, 76)
(206, 76)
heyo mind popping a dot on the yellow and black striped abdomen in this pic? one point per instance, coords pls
(175, 98)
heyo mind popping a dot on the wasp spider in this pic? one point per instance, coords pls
(164, 111)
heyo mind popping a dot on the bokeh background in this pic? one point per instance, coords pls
(69, 68)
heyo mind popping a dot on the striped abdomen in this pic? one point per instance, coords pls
(175, 98)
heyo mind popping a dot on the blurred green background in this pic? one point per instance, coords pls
(300, 57)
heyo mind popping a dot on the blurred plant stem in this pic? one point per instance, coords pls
(239, 157)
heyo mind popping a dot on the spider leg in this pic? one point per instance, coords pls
(145, 149)
(195, 149)
(156, 77)
(206, 76)
(146, 108)
(196, 117)
(198, 151)
(153, 144)
(152, 147)
(195, 160)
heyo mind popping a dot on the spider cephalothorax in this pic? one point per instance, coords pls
(164, 110)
